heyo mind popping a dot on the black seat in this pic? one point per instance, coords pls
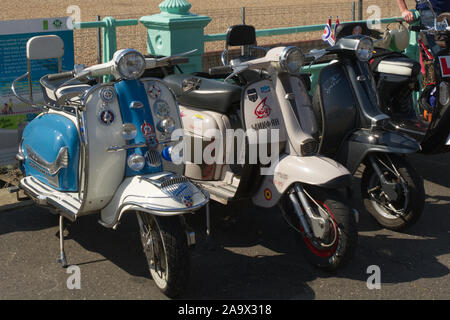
(203, 93)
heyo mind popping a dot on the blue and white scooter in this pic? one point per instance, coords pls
(97, 149)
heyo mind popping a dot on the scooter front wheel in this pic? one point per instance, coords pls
(338, 244)
(165, 246)
(397, 200)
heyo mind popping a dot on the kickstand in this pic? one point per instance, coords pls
(62, 260)
(208, 223)
(209, 243)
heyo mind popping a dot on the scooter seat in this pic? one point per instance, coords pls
(54, 94)
(203, 93)
(402, 66)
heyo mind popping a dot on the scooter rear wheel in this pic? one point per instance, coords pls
(165, 246)
(345, 234)
(410, 190)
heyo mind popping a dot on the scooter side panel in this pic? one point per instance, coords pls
(44, 139)
(315, 170)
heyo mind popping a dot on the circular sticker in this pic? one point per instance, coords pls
(147, 130)
(107, 117)
(107, 94)
(268, 194)
(154, 91)
(162, 108)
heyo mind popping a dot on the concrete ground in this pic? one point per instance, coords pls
(251, 256)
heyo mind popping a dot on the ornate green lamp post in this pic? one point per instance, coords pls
(176, 30)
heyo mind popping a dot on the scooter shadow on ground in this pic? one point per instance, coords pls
(26, 219)
(286, 274)
(122, 246)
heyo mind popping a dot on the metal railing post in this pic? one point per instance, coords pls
(360, 10)
(99, 43)
(353, 11)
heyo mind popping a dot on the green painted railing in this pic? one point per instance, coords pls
(109, 26)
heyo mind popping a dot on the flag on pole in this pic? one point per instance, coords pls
(336, 25)
(328, 34)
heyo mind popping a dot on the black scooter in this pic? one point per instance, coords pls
(353, 130)
(396, 78)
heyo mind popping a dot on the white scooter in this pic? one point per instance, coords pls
(274, 114)
(97, 149)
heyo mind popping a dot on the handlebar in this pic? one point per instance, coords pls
(59, 76)
(178, 60)
(220, 70)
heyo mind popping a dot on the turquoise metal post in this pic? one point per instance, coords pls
(176, 30)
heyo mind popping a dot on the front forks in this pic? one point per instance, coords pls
(319, 225)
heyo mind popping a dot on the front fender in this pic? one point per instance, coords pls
(163, 194)
(363, 142)
(315, 170)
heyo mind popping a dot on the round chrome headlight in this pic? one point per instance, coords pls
(291, 59)
(166, 125)
(364, 51)
(129, 131)
(130, 64)
(136, 162)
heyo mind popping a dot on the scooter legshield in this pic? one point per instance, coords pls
(261, 110)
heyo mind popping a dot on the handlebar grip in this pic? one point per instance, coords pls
(178, 60)
(220, 70)
(58, 76)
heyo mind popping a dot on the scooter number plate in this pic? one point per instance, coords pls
(444, 62)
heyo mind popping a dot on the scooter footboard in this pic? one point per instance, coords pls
(163, 194)
(315, 170)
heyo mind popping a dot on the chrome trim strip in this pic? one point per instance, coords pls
(61, 162)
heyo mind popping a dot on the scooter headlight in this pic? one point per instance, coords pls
(130, 64)
(444, 96)
(364, 51)
(129, 131)
(136, 162)
(291, 59)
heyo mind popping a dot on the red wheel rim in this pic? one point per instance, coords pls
(322, 253)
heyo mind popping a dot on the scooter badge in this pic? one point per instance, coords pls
(154, 91)
(107, 94)
(268, 194)
(263, 110)
(147, 130)
(265, 89)
(106, 117)
(188, 201)
(252, 95)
